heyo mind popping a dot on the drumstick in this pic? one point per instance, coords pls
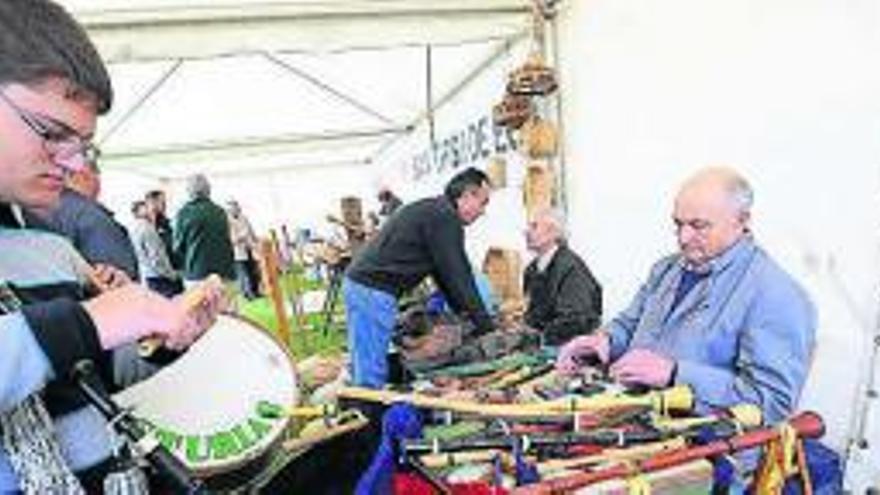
(91, 274)
(350, 420)
(191, 300)
(272, 410)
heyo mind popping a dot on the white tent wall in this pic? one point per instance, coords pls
(300, 198)
(297, 198)
(786, 91)
(413, 169)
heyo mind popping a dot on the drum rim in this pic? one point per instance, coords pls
(255, 454)
(279, 428)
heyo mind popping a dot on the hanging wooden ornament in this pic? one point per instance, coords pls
(512, 111)
(538, 188)
(533, 78)
(497, 172)
(503, 268)
(539, 138)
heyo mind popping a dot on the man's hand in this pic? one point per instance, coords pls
(202, 304)
(596, 345)
(643, 367)
(132, 312)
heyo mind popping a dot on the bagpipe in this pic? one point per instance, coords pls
(662, 401)
(804, 425)
(527, 445)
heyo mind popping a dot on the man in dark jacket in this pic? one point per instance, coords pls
(564, 299)
(423, 238)
(201, 235)
(90, 226)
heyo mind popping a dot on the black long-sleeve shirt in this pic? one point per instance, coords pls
(565, 300)
(422, 238)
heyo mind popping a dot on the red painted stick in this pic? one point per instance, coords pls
(806, 424)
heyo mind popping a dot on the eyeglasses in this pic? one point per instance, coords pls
(63, 143)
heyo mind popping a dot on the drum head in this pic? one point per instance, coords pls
(204, 406)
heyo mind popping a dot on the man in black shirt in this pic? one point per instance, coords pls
(564, 299)
(423, 238)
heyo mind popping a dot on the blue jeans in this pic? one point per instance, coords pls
(370, 315)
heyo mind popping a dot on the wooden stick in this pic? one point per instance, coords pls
(803, 469)
(274, 411)
(676, 398)
(629, 453)
(806, 424)
(720, 425)
(437, 461)
(351, 422)
(95, 280)
(270, 272)
(191, 299)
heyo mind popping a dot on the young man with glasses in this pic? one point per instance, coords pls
(52, 86)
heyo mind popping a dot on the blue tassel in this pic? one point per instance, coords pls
(723, 470)
(526, 472)
(399, 421)
(436, 305)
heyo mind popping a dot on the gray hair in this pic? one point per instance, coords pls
(557, 219)
(734, 184)
(741, 193)
(197, 186)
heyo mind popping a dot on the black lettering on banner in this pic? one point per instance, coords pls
(498, 132)
(480, 144)
(474, 142)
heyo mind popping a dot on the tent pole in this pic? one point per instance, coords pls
(429, 90)
(141, 101)
(326, 87)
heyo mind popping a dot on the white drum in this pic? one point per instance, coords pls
(204, 406)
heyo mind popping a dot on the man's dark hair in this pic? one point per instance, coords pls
(39, 39)
(136, 206)
(385, 195)
(154, 195)
(468, 178)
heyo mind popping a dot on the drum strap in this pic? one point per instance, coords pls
(28, 438)
(27, 435)
(128, 481)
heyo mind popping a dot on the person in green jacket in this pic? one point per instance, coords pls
(201, 235)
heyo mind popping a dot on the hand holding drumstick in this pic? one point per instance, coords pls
(131, 313)
(105, 277)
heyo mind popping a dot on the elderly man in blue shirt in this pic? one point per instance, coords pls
(720, 316)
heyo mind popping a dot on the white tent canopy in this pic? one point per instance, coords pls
(245, 91)
(291, 76)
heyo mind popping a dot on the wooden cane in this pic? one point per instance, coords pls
(806, 424)
(678, 398)
(609, 455)
(347, 422)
